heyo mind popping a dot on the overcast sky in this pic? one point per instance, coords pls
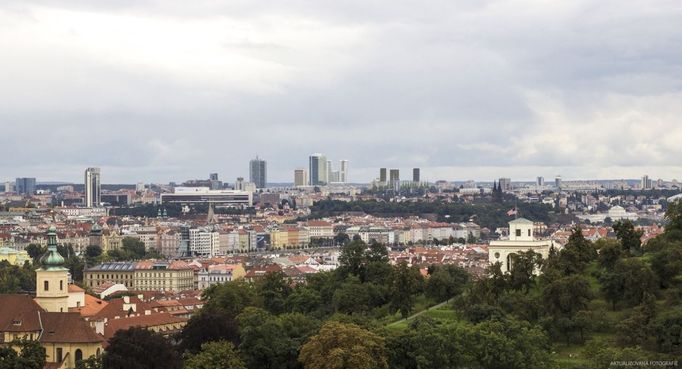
(166, 90)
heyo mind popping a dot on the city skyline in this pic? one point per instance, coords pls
(459, 89)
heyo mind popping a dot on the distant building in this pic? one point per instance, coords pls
(216, 184)
(645, 183)
(521, 239)
(204, 243)
(193, 195)
(382, 175)
(258, 172)
(241, 185)
(540, 182)
(505, 184)
(557, 182)
(343, 171)
(300, 177)
(25, 186)
(394, 175)
(317, 169)
(92, 187)
(415, 175)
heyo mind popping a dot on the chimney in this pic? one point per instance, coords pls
(99, 327)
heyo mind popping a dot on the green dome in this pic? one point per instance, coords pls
(52, 260)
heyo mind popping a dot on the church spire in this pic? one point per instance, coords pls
(52, 260)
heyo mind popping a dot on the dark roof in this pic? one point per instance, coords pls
(19, 313)
(121, 266)
(67, 328)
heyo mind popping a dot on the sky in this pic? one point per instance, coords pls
(168, 90)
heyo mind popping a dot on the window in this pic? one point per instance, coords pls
(529, 233)
(518, 233)
(59, 355)
(46, 285)
(61, 285)
(79, 355)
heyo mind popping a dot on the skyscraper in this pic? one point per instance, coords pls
(92, 187)
(382, 175)
(540, 182)
(415, 175)
(394, 178)
(505, 184)
(317, 169)
(645, 183)
(300, 177)
(258, 172)
(343, 172)
(25, 186)
(557, 182)
(330, 173)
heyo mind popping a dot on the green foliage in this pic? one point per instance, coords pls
(132, 249)
(668, 330)
(406, 282)
(93, 362)
(609, 253)
(230, 298)
(524, 266)
(630, 239)
(446, 282)
(630, 281)
(219, 354)
(139, 348)
(274, 289)
(14, 279)
(31, 355)
(488, 214)
(269, 341)
(208, 325)
(344, 346)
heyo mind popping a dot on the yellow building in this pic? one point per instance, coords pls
(13, 256)
(66, 337)
(151, 275)
(52, 292)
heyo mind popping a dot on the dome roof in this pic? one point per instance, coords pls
(52, 260)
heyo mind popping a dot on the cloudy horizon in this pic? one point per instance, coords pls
(160, 91)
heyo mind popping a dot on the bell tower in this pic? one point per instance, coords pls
(52, 290)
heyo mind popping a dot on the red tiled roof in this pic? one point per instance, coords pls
(67, 328)
(144, 321)
(19, 313)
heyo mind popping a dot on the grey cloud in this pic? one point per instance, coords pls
(459, 84)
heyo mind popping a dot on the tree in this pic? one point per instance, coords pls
(577, 253)
(609, 253)
(93, 251)
(667, 327)
(446, 282)
(405, 285)
(35, 251)
(344, 346)
(93, 362)
(218, 354)
(31, 355)
(522, 273)
(134, 247)
(630, 239)
(630, 281)
(563, 300)
(352, 258)
(667, 262)
(274, 289)
(138, 348)
(268, 341)
(341, 239)
(231, 297)
(208, 325)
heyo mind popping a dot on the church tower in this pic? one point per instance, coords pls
(52, 290)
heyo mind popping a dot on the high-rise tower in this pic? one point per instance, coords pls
(258, 172)
(92, 188)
